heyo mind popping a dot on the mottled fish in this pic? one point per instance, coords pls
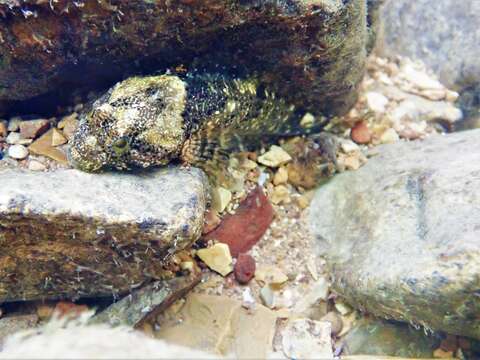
(154, 120)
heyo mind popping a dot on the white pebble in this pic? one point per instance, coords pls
(18, 152)
(35, 165)
(349, 146)
(390, 136)
(267, 296)
(376, 102)
(13, 138)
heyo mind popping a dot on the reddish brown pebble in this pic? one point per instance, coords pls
(360, 133)
(32, 129)
(244, 269)
(243, 229)
(64, 308)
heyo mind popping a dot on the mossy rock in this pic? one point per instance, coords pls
(310, 51)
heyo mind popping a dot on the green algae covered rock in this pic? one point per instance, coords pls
(309, 51)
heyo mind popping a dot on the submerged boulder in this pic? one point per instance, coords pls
(312, 52)
(400, 235)
(444, 34)
(69, 234)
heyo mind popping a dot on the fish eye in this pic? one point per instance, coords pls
(120, 146)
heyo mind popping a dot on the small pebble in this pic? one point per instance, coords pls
(389, 136)
(281, 176)
(348, 146)
(263, 178)
(13, 138)
(45, 312)
(187, 266)
(221, 197)
(32, 129)
(68, 124)
(217, 258)
(352, 162)
(280, 195)
(275, 157)
(267, 296)
(303, 201)
(342, 308)
(360, 133)
(35, 165)
(58, 138)
(376, 102)
(249, 164)
(43, 146)
(307, 121)
(18, 152)
(244, 269)
(248, 301)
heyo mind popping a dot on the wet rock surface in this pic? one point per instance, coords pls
(312, 52)
(219, 325)
(444, 35)
(377, 337)
(399, 235)
(72, 234)
(139, 306)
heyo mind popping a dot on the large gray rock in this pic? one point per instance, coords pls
(401, 235)
(445, 34)
(72, 234)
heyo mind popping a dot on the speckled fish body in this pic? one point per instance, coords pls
(154, 120)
